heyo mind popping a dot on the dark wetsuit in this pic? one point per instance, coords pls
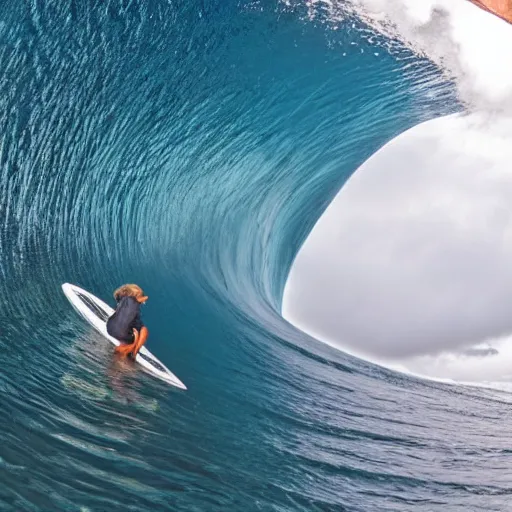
(126, 318)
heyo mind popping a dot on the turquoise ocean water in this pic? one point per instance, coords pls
(190, 146)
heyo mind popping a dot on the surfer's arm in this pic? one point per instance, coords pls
(140, 332)
(140, 339)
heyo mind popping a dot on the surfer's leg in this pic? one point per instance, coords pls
(126, 346)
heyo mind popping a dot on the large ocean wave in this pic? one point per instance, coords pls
(191, 147)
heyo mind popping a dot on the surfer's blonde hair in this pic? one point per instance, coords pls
(128, 290)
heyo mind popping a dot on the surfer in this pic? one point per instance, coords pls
(125, 324)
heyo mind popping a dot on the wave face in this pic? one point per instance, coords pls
(190, 147)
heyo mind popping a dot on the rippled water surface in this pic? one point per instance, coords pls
(190, 147)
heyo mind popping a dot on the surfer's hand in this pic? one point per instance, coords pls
(135, 336)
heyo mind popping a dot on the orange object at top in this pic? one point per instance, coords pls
(502, 8)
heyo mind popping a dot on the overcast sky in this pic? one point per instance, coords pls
(414, 255)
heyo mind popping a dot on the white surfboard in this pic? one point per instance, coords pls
(96, 312)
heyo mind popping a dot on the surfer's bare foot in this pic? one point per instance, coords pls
(125, 350)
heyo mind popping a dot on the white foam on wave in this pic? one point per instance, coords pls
(470, 44)
(411, 264)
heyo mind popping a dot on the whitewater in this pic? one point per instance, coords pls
(314, 195)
